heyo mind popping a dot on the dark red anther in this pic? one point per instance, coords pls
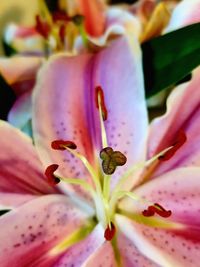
(99, 93)
(61, 145)
(110, 232)
(42, 27)
(157, 208)
(60, 16)
(181, 139)
(62, 33)
(52, 179)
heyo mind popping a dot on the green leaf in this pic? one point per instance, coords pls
(169, 58)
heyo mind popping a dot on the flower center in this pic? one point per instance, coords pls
(106, 202)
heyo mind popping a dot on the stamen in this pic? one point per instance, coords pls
(62, 33)
(52, 179)
(42, 27)
(110, 232)
(63, 145)
(55, 179)
(70, 146)
(60, 16)
(103, 114)
(157, 208)
(137, 167)
(111, 159)
(78, 21)
(181, 139)
(100, 103)
(120, 194)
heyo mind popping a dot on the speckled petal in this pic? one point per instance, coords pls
(102, 257)
(178, 191)
(161, 246)
(33, 230)
(136, 250)
(21, 170)
(183, 113)
(83, 252)
(123, 87)
(130, 255)
(186, 12)
(69, 111)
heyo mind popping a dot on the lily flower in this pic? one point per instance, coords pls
(107, 203)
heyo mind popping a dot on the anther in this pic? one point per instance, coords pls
(52, 179)
(62, 33)
(78, 19)
(181, 139)
(41, 27)
(100, 102)
(157, 208)
(111, 159)
(62, 145)
(60, 16)
(110, 232)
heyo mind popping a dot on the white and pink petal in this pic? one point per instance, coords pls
(186, 12)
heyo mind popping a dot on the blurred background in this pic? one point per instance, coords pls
(23, 12)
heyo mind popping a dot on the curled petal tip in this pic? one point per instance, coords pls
(181, 139)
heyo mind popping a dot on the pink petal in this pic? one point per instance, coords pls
(104, 256)
(83, 252)
(67, 109)
(118, 21)
(131, 255)
(143, 9)
(131, 242)
(21, 112)
(11, 200)
(185, 13)
(93, 11)
(126, 125)
(34, 229)
(19, 69)
(178, 191)
(161, 246)
(21, 170)
(183, 111)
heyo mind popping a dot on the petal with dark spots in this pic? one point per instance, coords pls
(34, 229)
